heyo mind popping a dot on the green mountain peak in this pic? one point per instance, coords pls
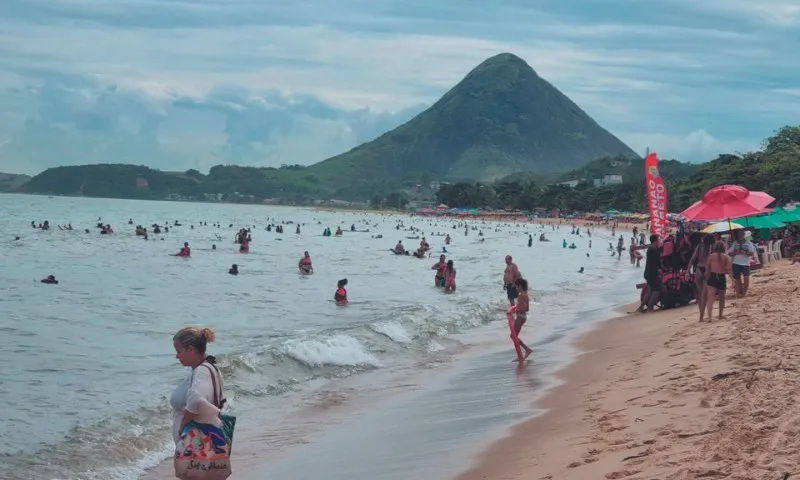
(501, 118)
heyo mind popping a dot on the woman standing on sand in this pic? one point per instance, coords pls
(699, 259)
(718, 266)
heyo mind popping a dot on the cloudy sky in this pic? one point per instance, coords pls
(179, 84)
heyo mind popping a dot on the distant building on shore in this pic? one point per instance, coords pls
(608, 179)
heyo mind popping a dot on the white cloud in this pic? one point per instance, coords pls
(197, 82)
(777, 13)
(694, 145)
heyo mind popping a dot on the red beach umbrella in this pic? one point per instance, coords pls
(726, 202)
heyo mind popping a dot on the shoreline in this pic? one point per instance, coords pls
(407, 389)
(581, 222)
(663, 396)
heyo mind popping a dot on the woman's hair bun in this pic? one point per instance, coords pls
(209, 335)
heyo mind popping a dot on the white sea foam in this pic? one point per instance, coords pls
(132, 470)
(255, 316)
(338, 350)
(434, 346)
(394, 331)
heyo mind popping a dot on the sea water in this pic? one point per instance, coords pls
(88, 364)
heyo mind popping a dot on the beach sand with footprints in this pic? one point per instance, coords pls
(662, 396)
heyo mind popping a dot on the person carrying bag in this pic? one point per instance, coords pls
(203, 435)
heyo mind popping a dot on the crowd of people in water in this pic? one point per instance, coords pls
(206, 436)
(444, 269)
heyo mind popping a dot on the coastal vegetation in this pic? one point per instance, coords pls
(501, 119)
(10, 182)
(775, 168)
(503, 137)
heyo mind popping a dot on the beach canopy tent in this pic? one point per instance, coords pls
(611, 213)
(726, 202)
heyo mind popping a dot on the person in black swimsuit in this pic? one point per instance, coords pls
(718, 266)
(652, 274)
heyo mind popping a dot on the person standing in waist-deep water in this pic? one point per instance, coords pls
(652, 274)
(305, 263)
(741, 250)
(510, 275)
(718, 265)
(450, 277)
(521, 312)
(440, 267)
(341, 293)
(197, 428)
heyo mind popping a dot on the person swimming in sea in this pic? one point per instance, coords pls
(399, 249)
(305, 264)
(234, 270)
(185, 251)
(51, 280)
(423, 245)
(341, 293)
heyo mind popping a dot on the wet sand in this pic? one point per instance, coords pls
(662, 396)
(426, 422)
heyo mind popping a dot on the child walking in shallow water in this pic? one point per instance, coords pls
(450, 278)
(521, 312)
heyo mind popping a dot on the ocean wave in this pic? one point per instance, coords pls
(120, 448)
(115, 448)
(394, 331)
(434, 346)
(339, 350)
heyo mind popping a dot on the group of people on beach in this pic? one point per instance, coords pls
(712, 261)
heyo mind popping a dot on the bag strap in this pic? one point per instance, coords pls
(217, 396)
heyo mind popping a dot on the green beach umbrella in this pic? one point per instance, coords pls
(785, 216)
(760, 222)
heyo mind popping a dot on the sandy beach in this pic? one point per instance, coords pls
(662, 396)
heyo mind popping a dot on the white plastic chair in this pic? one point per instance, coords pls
(764, 250)
(775, 252)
